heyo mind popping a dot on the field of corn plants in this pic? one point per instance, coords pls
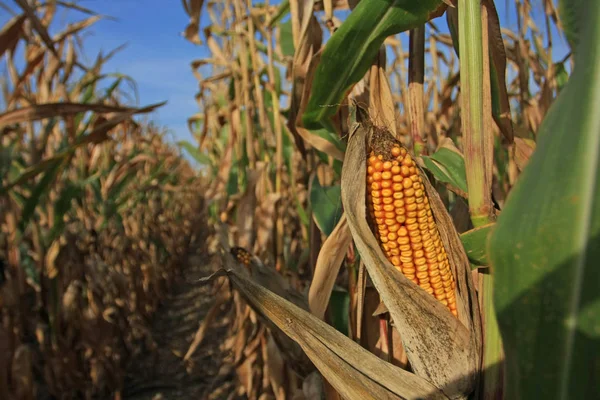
(400, 200)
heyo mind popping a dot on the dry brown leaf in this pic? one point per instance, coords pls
(264, 221)
(354, 372)
(306, 60)
(206, 323)
(50, 260)
(523, 150)
(439, 346)
(328, 266)
(193, 9)
(49, 110)
(72, 29)
(498, 57)
(38, 26)
(295, 121)
(11, 32)
(246, 208)
(22, 373)
(381, 103)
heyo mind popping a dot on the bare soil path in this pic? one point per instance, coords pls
(162, 374)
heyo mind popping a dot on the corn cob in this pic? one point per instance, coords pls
(402, 220)
(241, 255)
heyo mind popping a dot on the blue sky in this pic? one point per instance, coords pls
(158, 57)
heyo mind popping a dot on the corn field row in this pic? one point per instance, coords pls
(98, 210)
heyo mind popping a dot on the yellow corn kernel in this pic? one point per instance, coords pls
(404, 224)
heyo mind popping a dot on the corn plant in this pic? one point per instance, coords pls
(97, 213)
(457, 111)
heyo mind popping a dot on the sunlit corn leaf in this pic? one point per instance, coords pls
(193, 151)
(38, 26)
(354, 372)
(448, 166)
(282, 11)
(524, 148)
(475, 242)
(571, 13)
(326, 205)
(286, 40)
(330, 259)
(544, 253)
(193, 8)
(439, 346)
(352, 48)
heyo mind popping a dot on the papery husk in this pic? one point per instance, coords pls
(353, 372)
(441, 348)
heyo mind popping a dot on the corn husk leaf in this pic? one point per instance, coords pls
(439, 346)
(352, 371)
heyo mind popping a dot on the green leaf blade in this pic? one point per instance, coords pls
(352, 48)
(545, 249)
(326, 204)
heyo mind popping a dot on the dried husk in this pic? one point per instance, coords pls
(353, 372)
(441, 348)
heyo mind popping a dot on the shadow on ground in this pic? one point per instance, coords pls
(160, 373)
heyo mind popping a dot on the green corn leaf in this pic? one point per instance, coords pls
(326, 205)
(449, 167)
(193, 151)
(282, 11)
(287, 39)
(475, 244)
(51, 172)
(339, 309)
(545, 248)
(352, 48)
(571, 13)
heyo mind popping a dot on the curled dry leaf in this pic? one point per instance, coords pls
(354, 372)
(50, 259)
(193, 8)
(223, 297)
(381, 102)
(328, 265)
(523, 150)
(41, 111)
(246, 208)
(306, 60)
(498, 58)
(10, 33)
(441, 348)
